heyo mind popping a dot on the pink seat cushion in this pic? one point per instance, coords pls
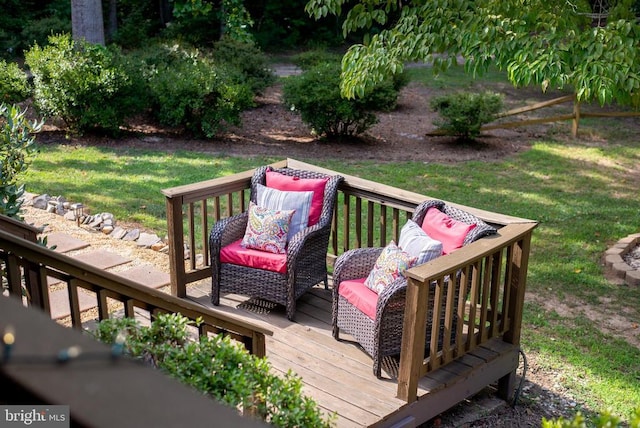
(443, 228)
(360, 296)
(275, 180)
(236, 254)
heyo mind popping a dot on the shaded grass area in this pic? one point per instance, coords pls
(584, 193)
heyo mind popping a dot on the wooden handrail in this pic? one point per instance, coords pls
(18, 252)
(359, 197)
(492, 274)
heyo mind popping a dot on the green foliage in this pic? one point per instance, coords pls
(199, 23)
(312, 58)
(284, 25)
(604, 420)
(216, 366)
(81, 84)
(187, 88)
(16, 153)
(246, 60)
(138, 22)
(464, 113)
(54, 18)
(14, 86)
(315, 94)
(547, 43)
(23, 23)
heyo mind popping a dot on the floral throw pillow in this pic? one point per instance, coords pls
(276, 199)
(267, 229)
(391, 263)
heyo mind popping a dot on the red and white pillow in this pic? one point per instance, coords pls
(275, 180)
(445, 229)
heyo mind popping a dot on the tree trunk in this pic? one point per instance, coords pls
(86, 21)
(112, 23)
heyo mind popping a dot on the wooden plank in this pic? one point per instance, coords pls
(347, 416)
(334, 381)
(432, 404)
(537, 106)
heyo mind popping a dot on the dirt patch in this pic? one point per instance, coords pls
(272, 130)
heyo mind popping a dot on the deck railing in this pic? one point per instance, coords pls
(27, 266)
(492, 270)
(98, 389)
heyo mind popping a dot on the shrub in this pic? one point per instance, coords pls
(312, 58)
(188, 89)
(604, 420)
(81, 84)
(464, 113)
(14, 86)
(315, 94)
(16, 153)
(247, 60)
(216, 366)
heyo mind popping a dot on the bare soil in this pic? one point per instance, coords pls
(272, 130)
(402, 135)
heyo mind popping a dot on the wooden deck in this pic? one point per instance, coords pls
(338, 374)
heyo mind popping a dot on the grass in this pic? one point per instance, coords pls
(584, 193)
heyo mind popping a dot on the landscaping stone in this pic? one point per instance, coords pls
(65, 243)
(132, 235)
(146, 275)
(118, 233)
(147, 239)
(41, 201)
(102, 259)
(632, 278)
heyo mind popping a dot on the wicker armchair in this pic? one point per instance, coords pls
(305, 253)
(381, 337)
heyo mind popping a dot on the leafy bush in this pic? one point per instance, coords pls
(138, 22)
(315, 94)
(24, 23)
(81, 84)
(16, 153)
(217, 366)
(604, 420)
(188, 89)
(312, 58)
(464, 113)
(245, 58)
(14, 86)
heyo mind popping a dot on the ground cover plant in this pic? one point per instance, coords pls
(583, 192)
(216, 366)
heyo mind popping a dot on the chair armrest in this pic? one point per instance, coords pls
(354, 264)
(227, 230)
(392, 297)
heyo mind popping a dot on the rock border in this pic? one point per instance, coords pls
(102, 222)
(614, 260)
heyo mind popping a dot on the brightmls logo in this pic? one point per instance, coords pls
(35, 416)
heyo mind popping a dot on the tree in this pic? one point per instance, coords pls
(550, 43)
(86, 21)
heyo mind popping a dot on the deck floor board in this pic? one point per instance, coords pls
(338, 375)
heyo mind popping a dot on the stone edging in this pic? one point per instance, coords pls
(614, 261)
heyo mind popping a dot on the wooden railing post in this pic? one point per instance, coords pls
(175, 231)
(413, 339)
(519, 262)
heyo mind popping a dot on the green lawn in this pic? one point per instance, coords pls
(584, 193)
